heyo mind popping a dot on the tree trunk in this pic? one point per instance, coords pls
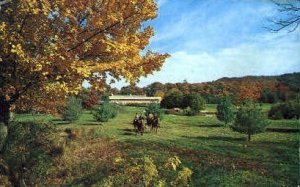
(4, 130)
(14, 179)
(4, 120)
(3, 135)
(4, 111)
(249, 137)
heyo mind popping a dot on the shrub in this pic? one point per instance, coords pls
(172, 163)
(73, 109)
(89, 98)
(195, 102)
(104, 98)
(145, 172)
(172, 99)
(249, 119)
(150, 172)
(212, 99)
(104, 112)
(226, 111)
(183, 177)
(286, 110)
(28, 150)
(154, 108)
(268, 96)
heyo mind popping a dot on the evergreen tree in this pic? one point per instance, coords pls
(249, 120)
(226, 110)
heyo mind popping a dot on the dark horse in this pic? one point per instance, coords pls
(138, 124)
(152, 121)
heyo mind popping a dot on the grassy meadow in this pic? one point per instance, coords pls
(216, 155)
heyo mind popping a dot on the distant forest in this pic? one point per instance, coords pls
(267, 89)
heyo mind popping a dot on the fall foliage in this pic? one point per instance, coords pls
(52, 46)
(267, 89)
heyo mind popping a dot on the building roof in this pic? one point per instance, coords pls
(135, 97)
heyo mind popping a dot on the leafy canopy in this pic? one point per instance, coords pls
(47, 48)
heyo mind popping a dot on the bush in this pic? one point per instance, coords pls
(286, 110)
(89, 98)
(195, 103)
(268, 96)
(172, 99)
(276, 112)
(104, 98)
(104, 112)
(73, 109)
(154, 108)
(226, 111)
(212, 99)
(249, 119)
(145, 172)
(183, 177)
(28, 150)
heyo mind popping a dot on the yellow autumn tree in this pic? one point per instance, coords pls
(47, 48)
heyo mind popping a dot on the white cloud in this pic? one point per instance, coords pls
(210, 25)
(208, 41)
(266, 56)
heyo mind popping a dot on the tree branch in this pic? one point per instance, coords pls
(290, 17)
(23, 23)
(97, 33)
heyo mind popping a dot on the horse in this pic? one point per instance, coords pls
(149, 121)
(138, 124)
(155, 124)
(135, 121)
(152, 121)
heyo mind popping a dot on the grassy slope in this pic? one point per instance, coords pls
(216, 155)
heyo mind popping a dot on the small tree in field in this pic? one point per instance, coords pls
(195, 102)
(104, 112)
(172, 99)
(73, 109)
(226, 111)
(249, 120)
(154, 108)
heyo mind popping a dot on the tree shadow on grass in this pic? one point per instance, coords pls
(61, 122)
(56, 119)
(209, 124)
(214, 125)
(90, 123)
(127, 130)
(130, 132)
(219, 138)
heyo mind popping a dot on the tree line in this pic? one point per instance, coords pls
(266, 89)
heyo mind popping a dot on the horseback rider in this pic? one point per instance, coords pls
(138, 123)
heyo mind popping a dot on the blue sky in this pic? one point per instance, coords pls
(211, 39)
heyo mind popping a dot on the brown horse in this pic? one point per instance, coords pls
(138, 124)
(153, 122)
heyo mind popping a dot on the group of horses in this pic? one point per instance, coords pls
(140, 124)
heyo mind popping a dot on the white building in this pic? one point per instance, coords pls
(133, 99)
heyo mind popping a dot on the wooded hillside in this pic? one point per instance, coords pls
(267, 89)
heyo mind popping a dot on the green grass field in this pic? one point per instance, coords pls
(216, 155)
